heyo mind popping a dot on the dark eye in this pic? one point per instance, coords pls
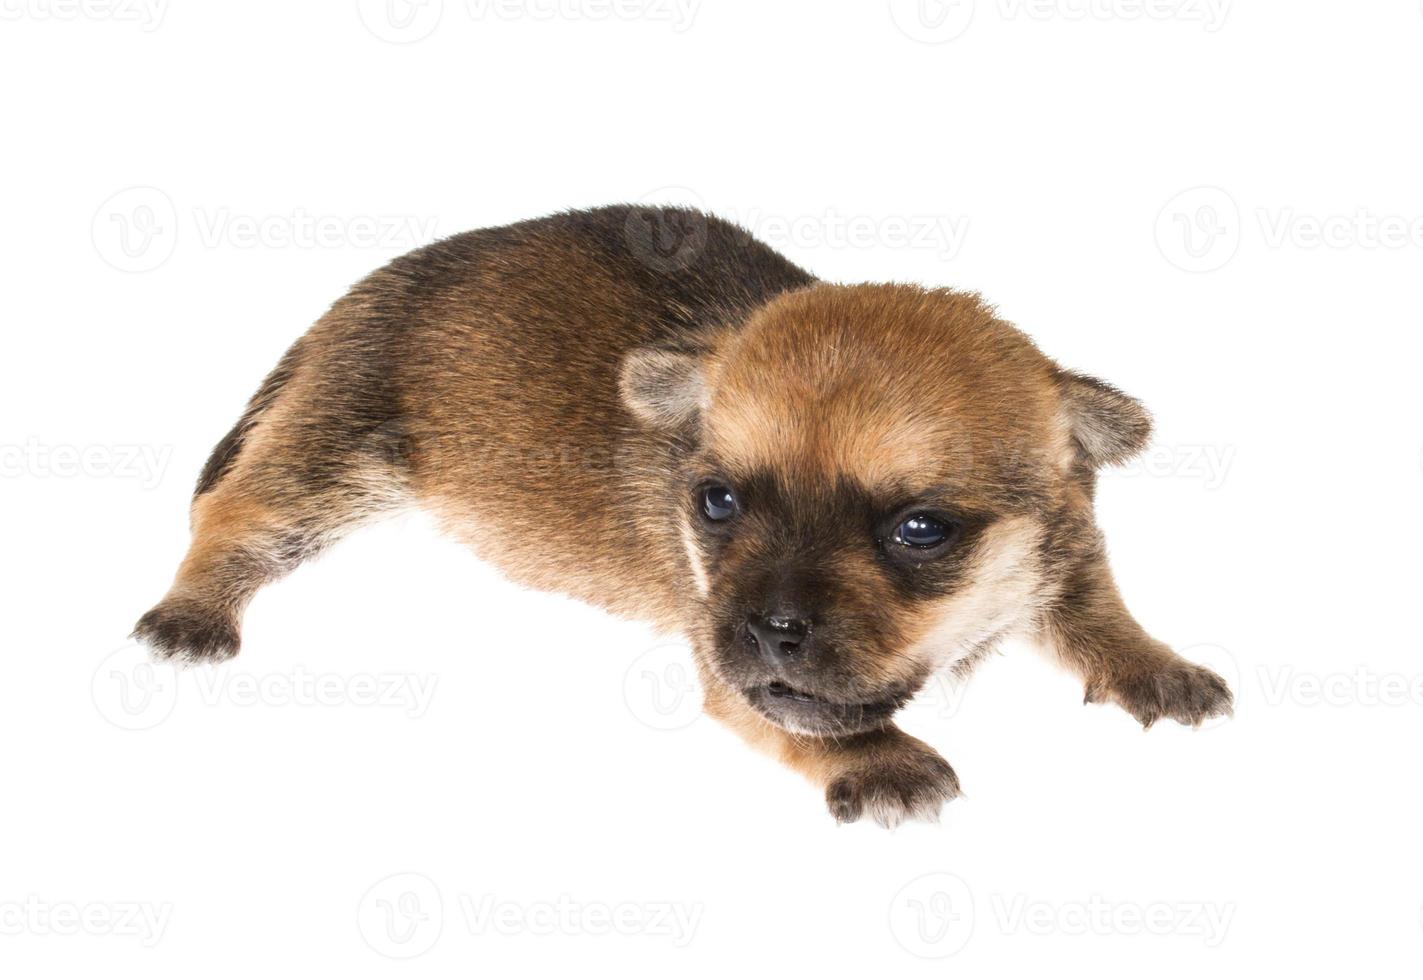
(717, 502)
(922, 531)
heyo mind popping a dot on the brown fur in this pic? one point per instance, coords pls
(558, 391)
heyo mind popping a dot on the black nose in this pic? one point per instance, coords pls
(779, 637)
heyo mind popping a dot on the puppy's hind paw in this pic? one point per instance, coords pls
(909, 785)
(188, 632)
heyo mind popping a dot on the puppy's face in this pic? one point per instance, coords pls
(882, 479)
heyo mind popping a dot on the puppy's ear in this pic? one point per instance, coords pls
(665, 389)
(1108, 426)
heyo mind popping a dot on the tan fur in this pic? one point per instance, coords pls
(556, 393)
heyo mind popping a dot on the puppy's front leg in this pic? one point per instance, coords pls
(883, 774)
(1092, 633)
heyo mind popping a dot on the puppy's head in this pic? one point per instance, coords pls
(883, 481)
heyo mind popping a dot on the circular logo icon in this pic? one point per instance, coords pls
(136, 229)
(401, 916)
(131, 691)
(931, 21)
(660, 688)
(664, 237)
(932, 916)
(1223, 662)
(401, 21)
(1199, 229)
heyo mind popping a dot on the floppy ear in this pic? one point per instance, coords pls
(663, 388)
(1108, 426)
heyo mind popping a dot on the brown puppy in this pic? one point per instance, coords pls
(832, 490)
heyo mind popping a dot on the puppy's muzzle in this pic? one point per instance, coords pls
(782, 639)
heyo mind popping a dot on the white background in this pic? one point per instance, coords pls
(1215, 206)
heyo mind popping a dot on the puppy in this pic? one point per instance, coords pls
(833, 491)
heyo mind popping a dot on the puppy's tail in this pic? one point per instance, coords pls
(225, 453)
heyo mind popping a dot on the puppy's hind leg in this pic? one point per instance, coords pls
(1093, 634)
(297, 472)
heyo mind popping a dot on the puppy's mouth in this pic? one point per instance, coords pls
(811, 714)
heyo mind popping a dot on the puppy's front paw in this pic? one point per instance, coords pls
(1179, 690)
(909, 781)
